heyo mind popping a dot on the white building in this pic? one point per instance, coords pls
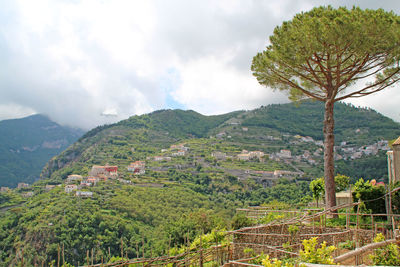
(70, 187)
(218, 155)
(83, 194)
(285, 153)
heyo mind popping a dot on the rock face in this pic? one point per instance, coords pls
(27, 144)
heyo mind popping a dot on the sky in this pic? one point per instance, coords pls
(91, 62)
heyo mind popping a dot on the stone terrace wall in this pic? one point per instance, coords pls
(265, 238)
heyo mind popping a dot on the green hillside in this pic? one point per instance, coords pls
(27, 144)
(141, 136)
(307, 118)
(180, 195)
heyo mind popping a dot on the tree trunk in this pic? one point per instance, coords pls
(329, 143)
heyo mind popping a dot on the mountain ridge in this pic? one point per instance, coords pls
(196, 171)
(26, 144)
(356, 126)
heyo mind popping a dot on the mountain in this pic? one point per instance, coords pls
(27, 144)
(270, 129)
(193, 179)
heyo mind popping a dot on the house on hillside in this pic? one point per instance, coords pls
(74, 178)
(161, 158)
(22, 185)
(179, 153)
(284, 154)
(218, 155)
(4, 189)
(84, 194)
(179, 147)
(85, 183)
(70, 187)
(104, 172)
(49, 187)
(256, 154)
(27, 194)
(287, 174)
(137, 167)
(243, 156)
(220, 135)
(92, 180)
(246, 155)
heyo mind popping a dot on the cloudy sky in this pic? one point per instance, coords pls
(90, 62)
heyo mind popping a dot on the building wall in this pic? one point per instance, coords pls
(396, 163)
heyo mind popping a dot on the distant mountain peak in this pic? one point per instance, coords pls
(26, 144)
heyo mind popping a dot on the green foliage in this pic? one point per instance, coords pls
(388, 255)
(319, 53)
(349, 244)
(271, 217)
(342, 182)
(195, 197)
(115, 213)
(369, 167)
(27, 144)
(267, 262)
(293, 229)
(309, 55)
(178, 123)
(372, 196)
(240, 220)
(306, 120)
(312, 254)
(317, 188)
(215, 237)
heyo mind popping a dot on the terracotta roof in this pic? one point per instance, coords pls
(397, 142)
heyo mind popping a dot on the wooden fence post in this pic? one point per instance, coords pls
(63, 254)
(143, 245)
(22, 257)
(122, 248)
(201, 251)
(216, 246)
(58, 255)
(169, 245)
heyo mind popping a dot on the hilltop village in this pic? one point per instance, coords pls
(80, 184)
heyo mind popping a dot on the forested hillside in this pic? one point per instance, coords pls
(307, 118)
(195, 170)
(27, 144)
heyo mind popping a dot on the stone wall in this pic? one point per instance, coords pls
(269, 238)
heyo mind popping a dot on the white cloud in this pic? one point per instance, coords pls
(76, 60)
(10, 110)
(211, 85)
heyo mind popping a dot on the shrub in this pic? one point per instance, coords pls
(312, 254)
(365, 191)
(388, 255)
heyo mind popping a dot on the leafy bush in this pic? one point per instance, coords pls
(312, 254)
(388, 255)
(365, 191)
(240, 220)
(267, 262)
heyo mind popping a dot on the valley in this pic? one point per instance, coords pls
(176, 174)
